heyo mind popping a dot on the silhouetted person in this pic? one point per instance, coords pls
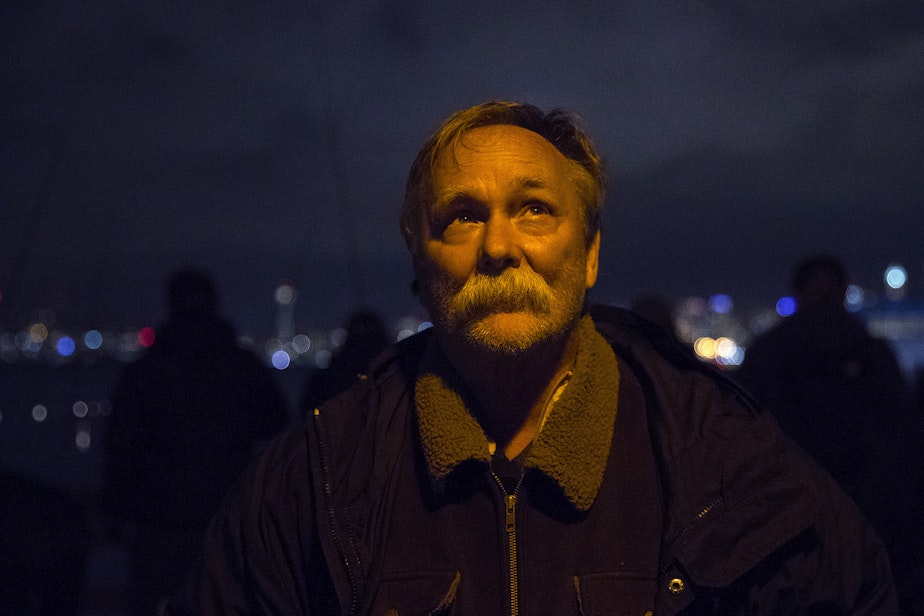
(186, 418)
(366, 338)
(838, 392)
(658, 310)
(43, 549)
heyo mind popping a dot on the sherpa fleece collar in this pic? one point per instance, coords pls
(574, 443)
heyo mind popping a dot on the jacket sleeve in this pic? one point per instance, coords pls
(837, 566)
(848, 570)
(260, 553)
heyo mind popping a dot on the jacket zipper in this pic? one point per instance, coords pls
(331, 516)
(510, 525)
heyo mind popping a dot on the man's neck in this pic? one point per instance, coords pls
(509, 393)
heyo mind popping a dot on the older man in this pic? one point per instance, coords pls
(524, 455)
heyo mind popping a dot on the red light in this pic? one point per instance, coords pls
(146, 336)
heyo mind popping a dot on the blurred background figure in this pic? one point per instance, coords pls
(44, 546)
(366, 337)
(839, 392)
(656, 309)
(186, 418)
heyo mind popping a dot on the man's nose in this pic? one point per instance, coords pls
(500, 246)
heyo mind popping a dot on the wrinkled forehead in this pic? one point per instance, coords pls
(498, 138)
(503, 153)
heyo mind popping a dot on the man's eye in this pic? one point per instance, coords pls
(536, 209)
(463, 217)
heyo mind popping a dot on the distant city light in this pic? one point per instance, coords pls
(725, 347)
(728, 353)
(723, 351)
(721, 303)
(82, 439)
(733, 359)
(895, 276)
(80, 409)
(93, 340)
(146, 336)
(301, 343)
(281, 360)
(39, 413)
(38, 333)
(785, 306)
(705, 347)
(65, 346)
(853, 298)
(285, 294)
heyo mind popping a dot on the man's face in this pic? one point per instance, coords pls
(504, 263)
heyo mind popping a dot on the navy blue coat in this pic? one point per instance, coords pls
(704, 508)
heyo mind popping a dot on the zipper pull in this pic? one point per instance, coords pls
(511, 503)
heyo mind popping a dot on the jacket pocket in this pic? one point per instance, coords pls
(415, 593)
(615, 594)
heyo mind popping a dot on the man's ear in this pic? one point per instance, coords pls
(593, 258)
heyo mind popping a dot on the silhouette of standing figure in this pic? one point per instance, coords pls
(186, 418)
(366, 338)
(839, 392)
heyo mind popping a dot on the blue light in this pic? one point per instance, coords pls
(853, 298)
(65, 346)
(785, 306)
(721, 303)
(93, 339)
(896, 276)
(281, 360)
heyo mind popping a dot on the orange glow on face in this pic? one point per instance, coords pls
(505, 261)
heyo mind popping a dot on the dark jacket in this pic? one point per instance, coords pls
(698, 506)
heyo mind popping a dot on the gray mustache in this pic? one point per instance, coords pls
(506, 293)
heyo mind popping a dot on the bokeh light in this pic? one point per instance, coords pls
(854, 297)
(721, 303)
(705, 347)
(83, 439)
(281, 360)
(65, 346)
(39, 413)
(301, 344)
(93, 340)
(785, 306)
(38, 332)
(285, 294)
(146, 336)
(895, 276)
(81, 409)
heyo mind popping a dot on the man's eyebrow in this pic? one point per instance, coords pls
(456, 193)
(531, 182)
(446, 197)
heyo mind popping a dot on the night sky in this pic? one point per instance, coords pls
(270, 142)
